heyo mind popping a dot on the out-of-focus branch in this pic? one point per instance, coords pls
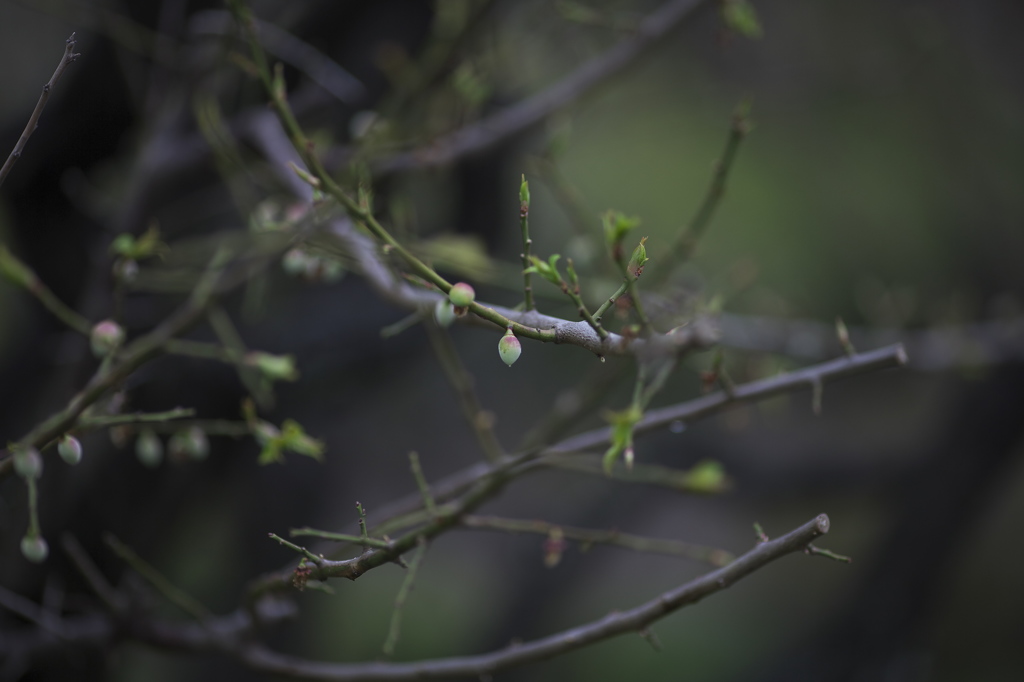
(942, 348)
(33, 121)
(485, 134)
(588, 536)
(616, 623)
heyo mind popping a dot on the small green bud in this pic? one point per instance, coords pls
(70, 449)
(106, 337)
(28, 463)
(461, 295)
(444, 313)
(34, 548)
(295, 262)
(707, 476)
(149, 449)
(524, 198)
(273, 367)
(191, 442)
(509, 348)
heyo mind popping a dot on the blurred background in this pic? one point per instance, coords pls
(881, 183)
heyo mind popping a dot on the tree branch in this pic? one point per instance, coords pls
(485, 134)
(615, 623)
(33, 121)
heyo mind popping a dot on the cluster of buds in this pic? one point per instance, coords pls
(311, 267)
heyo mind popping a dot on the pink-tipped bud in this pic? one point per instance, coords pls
(509, 348)
(149, 448)
(70, 450)
(461, 295)
(34, 548)
(28, 463)
(106, 337)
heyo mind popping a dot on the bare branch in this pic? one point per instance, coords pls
(485, 134)
(33, 121)
(616, 623)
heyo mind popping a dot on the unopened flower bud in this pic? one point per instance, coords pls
(509, 348)
(149, 449)
(34, 548)
(70, 449)
(295, 262)
(28, 463)
(444, 313)
(191, 443)
(461, 295)
(106, 337)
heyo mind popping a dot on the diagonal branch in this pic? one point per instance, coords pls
(33, 121)
(528, 113)
(615, 623)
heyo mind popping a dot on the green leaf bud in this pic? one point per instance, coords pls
(273, 367)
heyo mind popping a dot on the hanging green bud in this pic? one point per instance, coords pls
(509, 348)
(107, 336)
(70, 449)
(149, 449)
(461, 295)
(28, 463)
(34, 548)
(638, 259)
(444, 313)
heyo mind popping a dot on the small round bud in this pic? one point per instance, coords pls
(34, 548)
(509, 348)
(191, 443)
(461, 295)
(70, 449)
(106, 337)
(444, 313)
(28, 463)
(295, 262)
(149, 449)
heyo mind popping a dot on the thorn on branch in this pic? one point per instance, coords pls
(828, 554)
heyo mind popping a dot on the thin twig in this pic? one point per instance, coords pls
(33, 121)
(172, 593)
(21, 275)
(588, 536)
(394, 629)
(480, 420)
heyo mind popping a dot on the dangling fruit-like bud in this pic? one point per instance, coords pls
(149, 448)
(461, 295)
(106, 337)
(444, 313)
(509, 348)
(34, 548)
(28, 463)
(70, 450)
